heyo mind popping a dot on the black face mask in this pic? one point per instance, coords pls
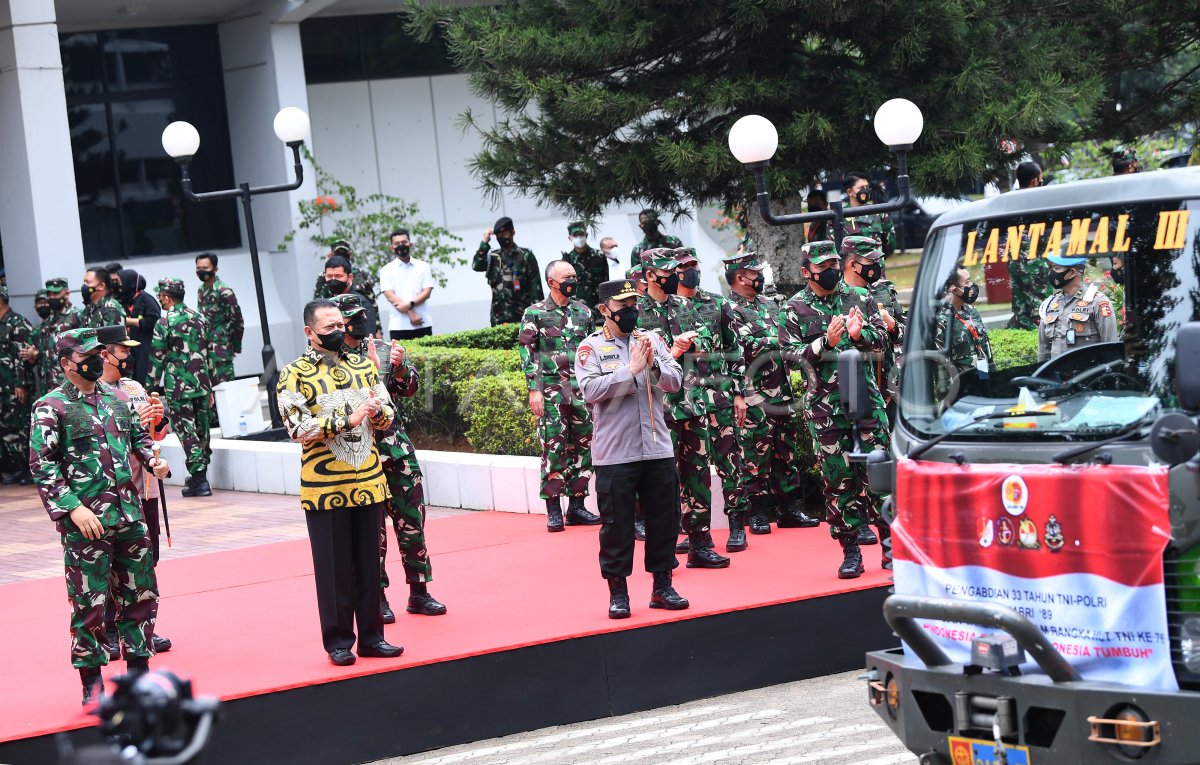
(357, 327)
(1059, 280)
(57, 304)
(827, 279)
(669, 284)
(690, 278)
(402, 251)
(86, 292)
(757, 283)
(626, 318)
(43, 311)
(871, 273)
(123, 365)
(332, 341)
(970, 294)
(91, 368)
(568, 286)
(863, 196)
(1118, 275)
(335, 286)
(204, 275)
(505, 241)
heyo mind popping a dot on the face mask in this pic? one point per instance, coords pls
(91, 368)
(649, 229)
(204, 275)
(335, 286)
(568, 286)
(505, 241)
(123, 365)
(757, 284)
(971, 294)
(1118, 275)
(332, 341)
(1059, 280)
(57, 304)
(402, 251)
(827, 279)
(863, 196)
(580, 242)
(871, 273)
(669, 284)
(86, 292)
(690, 278)
(357, 327)
(626, 318)
(43, 311)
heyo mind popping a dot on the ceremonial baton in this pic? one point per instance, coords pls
(162, 492)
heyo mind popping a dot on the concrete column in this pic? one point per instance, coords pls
(39, 212)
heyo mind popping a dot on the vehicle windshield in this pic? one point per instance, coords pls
(1097, 353)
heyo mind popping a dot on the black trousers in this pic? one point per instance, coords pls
(345, 551)
(405, 334)
(150, 512)
(653, 483)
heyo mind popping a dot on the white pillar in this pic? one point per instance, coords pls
(39, 212)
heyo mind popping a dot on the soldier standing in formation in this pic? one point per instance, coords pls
(771, 436)
(219, 306)
(179, 358)
(825, 317)
(623, 374)
(16, 388)
(722, 389)
(551, 331)
(100, 308)
(864, 269)
(1073, 316)
(40, 351)
(959, 330)
(512, 273)
(406, 506)
(83, 440)
(591, 266)
(653, 237)
(662, 311)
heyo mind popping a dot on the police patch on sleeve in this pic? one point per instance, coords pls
(1106, 309)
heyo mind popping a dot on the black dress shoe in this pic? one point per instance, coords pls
(425, 604)
(759, 524)
(683, 545)
(381, 650)
(386, 614)
(161, 644)
(578, 515)
(795, 518)
(199, 488)
(342, 657)
(866, 536)
(93, 685)
(639, 530)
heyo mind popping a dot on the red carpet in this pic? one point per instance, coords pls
(244, 622)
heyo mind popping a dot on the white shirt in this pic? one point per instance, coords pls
(406, 281)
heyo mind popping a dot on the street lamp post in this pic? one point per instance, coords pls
(753, 141)
(181, 140)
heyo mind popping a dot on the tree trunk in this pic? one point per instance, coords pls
(779, 245)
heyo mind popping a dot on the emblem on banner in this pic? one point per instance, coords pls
(1053, 538)
(1027, 535)
(987, 534)
(1014, 494)
(1006, 532)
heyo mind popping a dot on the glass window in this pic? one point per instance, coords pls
(130, 200)
(355, 48)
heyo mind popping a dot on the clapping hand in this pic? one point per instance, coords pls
(854, 324)
(641, 355)
(398, 355)
(683, 343)
(837, 328)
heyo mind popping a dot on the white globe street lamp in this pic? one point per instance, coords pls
(753, 139)
(291, 125)
(181, 140)
(898, 123)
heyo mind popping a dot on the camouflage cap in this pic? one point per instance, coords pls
(170, 284)
(4, 292)
(818, 252)
(78, 340)
(56, 284)
(634, 274)
(1124, 154)
(115, 334)
(659, 257)
(577, 227)
(685, 255)
(863, 246)
(348, 303)
(343, 248)
(42, 294)
(748, 260)
(617, 290)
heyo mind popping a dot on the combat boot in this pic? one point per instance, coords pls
(664, 595)
(737, 533)
(578, 515)
(885, 545)
(852, 563)
(618, 598)
(161, 644)
(554, 517)
(421, 602)
(702, 554)
(386, 614)
(759, 524)
(866, 536)
(93, 685)
(639, 529)
(199, 487)
(136, 666)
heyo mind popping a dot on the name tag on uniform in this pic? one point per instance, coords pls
(1079, 317)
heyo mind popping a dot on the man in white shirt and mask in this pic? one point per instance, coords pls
(407, 284)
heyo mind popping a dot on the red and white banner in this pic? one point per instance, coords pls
(1076, 549)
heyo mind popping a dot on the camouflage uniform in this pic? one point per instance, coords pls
(102, 314)
(514, 277)
(664, 241)
(15, 332)
(179, 356)
(591, 268)
(219, 306)
(80, 451)
(803, 343)
(49, 371)
(549, 336)
(880, 227)
(1030, 286)
(885, 298)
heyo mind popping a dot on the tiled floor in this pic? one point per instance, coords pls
(30, 548)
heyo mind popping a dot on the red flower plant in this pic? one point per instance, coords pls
(325, 205)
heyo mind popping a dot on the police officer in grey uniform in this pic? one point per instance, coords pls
(623, 373)
(1075, 315)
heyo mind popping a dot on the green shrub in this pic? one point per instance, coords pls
(496, 412)
(434, 409)
(499, 338)
(1013, 347)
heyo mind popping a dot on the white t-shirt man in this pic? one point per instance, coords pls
(406, 281)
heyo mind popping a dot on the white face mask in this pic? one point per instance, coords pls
(579, 241)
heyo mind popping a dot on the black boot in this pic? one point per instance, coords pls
(664, 595)
(386, 614)
(93, 685)
(421, 602)
(554, 518)
(578, 515)
(114, 643)
(866, 536)
(161, 644)
(618, 598)
(792, 515)
(885, 544)
(683, 545)
(737, 533)
(136, 665)
(702, 554)
(199, 487)
(639, 529)
(852, 563)
(759, 524)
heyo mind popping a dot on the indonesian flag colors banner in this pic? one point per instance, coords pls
(1076, 549)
